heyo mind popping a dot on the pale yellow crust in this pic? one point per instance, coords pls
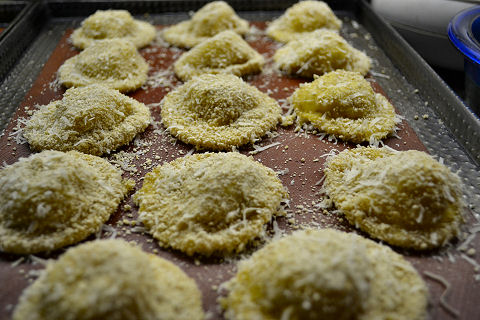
(407, 198)
(113, 24)
(213, 18)
(219, 112)
(53, 199)
(210, 203)
(114, 63)
(303, 18)
(92, 119)
(320, 52)
(110, 279)
(226, 52)
(343, 104)
(325, 274)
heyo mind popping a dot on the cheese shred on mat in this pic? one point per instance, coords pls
(213, 18)
(113, 24)
(218, 112)
(325, 274)
(303, 18)
(320, 52)
(53, 199)
(405, 198)
(110, 279)
(226, 52)
(92, 119)
(210, 203)
(343, 104)
(114, 63)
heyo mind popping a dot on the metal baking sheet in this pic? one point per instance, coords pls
(450, 132)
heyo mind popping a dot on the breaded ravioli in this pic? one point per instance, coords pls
(405, 198)
(113, 24)
(53, 199)
(93, 119)
(114, 63)
(211, 19)
(110, 279)
(320, 52)
(325, 274)
(209, 203)
(226, 52)
(219, 112)
(302, 18)
(343, 104)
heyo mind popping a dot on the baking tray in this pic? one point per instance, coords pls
(450, 132)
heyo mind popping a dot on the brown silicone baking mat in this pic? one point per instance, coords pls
(298, 157)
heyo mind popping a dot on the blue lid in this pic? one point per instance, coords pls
(464, 32)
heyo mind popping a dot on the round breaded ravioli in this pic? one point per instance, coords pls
(113, 24)
(114, 63)
(343, 104)
(110, 279)
(213, 18)
(405, 198)
(226, 52)
(53, 199)
(219, 112)
(325, 274)
(302, 18)
(92, 119)
(210, 203)
(320, 52)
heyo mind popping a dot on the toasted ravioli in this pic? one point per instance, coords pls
(114, 63)
(219, 112)
(110, 279)
(405, 198)
(53, 199)
(92, 119)
(210, 203)
(211, 19)
(113, 24)
(302, 18)
(226, 52)
(320, 52)
(325, 274)
(343, 104)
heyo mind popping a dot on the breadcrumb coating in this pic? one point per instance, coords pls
(303, 18)
(405, 198)
(219, 112)
(92, 119)
(325, 274)
(211, 19)
(113, 24)
(53, 199)
(114, 63)
(110, 279)
(343, 104)
(209, 203)
(226, 52)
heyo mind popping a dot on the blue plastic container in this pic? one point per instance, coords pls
(464, 32)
